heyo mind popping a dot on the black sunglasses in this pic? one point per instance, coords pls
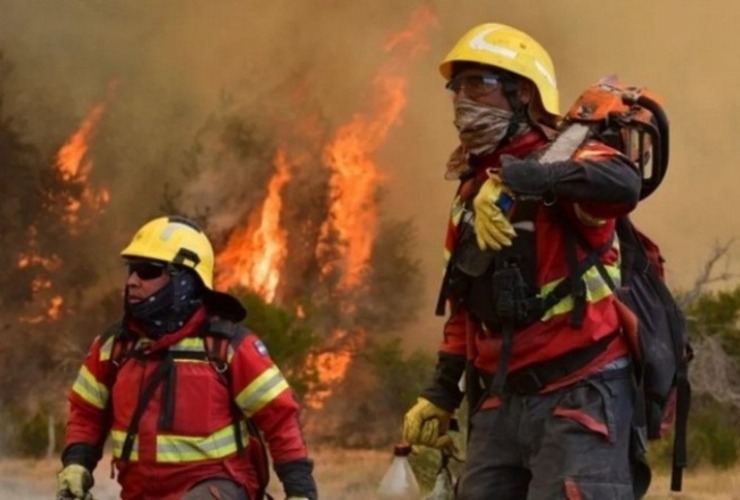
(145, 269)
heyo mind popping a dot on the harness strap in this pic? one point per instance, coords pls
(507, 336)
(683, 399)
(151, 386)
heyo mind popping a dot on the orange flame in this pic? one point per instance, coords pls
(74, 167)
(254, 255)
(71, 159)
(349, 157)
(331, 367)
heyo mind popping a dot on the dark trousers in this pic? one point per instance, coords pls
(216, 489)
(572, 443)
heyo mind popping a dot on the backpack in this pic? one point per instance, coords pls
(218, 337)
(632, 121)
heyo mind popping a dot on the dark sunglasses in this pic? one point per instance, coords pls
(146, 270)
(475, 85)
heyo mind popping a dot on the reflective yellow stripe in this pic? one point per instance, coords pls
(89, 389)
(189, 449)
(261, 391)
(106, 349)
(189, 344)
(197, 344)
(117, 439)
(596, 290)
(458, 208)
(173, 448)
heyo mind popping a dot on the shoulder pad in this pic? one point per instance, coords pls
(225, 328)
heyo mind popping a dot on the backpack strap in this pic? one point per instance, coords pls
(222, 335)
(163, 371)
(123, 348)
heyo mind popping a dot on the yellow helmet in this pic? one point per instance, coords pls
(176, 240)
(509, 49)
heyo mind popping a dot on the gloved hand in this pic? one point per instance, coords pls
(492, 228)
(74, 481)
(427, 424)
(297, 498)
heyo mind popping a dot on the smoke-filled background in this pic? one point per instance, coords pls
(331, 114)
(165, 67)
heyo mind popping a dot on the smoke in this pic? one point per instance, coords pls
(180, 64)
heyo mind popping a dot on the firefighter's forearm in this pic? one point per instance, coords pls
(84, 454)
(297, 478)
(606, 180)
(444, 391)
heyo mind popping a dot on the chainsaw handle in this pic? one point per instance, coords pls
(660, 134)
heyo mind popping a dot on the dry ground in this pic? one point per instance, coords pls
(341, 474)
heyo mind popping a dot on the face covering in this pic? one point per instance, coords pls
(481, 127)
(168, 309)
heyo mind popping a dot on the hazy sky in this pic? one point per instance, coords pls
(174, 59)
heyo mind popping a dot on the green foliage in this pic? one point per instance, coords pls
(718, 313)
(288, 338)
(383, 382)
(394, 292)
(26, 434)
(399, 378)
(713, 434)
(712, 437)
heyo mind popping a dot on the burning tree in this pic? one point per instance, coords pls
(45, 267)
(293, 206)
(309, 237)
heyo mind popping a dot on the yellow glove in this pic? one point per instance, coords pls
(492, 228)
(427, 424)
(74, 481)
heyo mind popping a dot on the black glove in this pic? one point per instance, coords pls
(610, 180)
(297, 478)
(83, 454)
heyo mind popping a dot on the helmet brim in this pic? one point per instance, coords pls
(224, 306)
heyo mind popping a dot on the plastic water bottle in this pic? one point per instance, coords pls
(399, 481)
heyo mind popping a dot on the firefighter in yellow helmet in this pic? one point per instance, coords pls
(533, 338)
(182, 389)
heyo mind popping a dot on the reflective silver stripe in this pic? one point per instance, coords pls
(261, 391)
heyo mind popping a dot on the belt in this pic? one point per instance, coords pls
(532, 379)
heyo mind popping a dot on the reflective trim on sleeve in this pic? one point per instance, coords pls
(457, 210)
(88, 388)
(261, 391)
(107, 348)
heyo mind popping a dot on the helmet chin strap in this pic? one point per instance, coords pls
(518, 108)
(169, 308)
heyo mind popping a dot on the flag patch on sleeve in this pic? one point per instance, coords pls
(260, 347)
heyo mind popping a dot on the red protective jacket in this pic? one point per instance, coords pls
(553, 335)
(198, 440)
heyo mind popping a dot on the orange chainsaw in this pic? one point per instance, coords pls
(629, 119)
